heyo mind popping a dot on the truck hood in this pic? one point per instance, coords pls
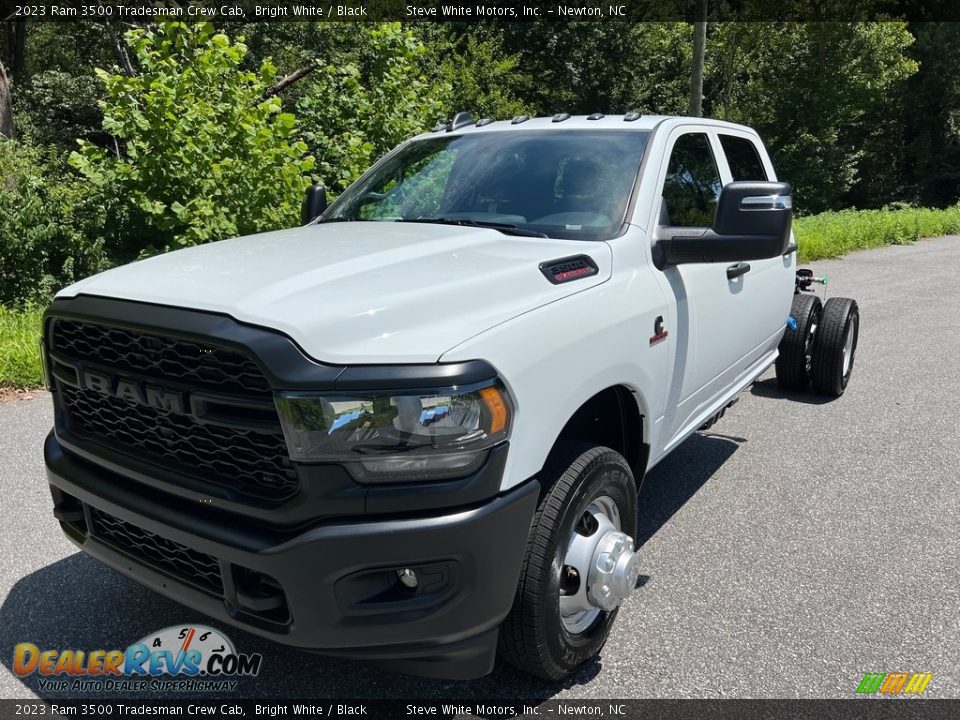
(359, 292)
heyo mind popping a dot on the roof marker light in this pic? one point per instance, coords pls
(461, 119)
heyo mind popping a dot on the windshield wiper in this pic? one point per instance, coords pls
(505, 228)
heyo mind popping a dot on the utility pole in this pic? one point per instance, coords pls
(696, 76)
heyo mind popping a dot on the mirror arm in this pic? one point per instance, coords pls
(712, 247)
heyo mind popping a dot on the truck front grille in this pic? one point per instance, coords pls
(179, 561)
(202, 366)
(247, 456)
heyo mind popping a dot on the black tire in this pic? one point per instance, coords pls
(830, 373)
(533, 637)
(794, 361)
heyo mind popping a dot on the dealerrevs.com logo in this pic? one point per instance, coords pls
(179, 658)
(895, 683)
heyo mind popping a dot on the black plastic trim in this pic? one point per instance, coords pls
(737, 269)
(482, 545)
(409, 377)
(281, 360)
(326, 490)
(278, 357)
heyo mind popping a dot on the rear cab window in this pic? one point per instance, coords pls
(743, 158)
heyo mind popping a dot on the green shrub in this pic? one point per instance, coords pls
(830, 234)
(19, 347)
(200, 154)
(49, 225)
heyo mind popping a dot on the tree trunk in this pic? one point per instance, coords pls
(6, 105)
(18, 68)
(120, 47)
(696, 76)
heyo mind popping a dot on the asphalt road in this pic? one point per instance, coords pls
(798, 545)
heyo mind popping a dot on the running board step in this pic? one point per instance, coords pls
(713, 419)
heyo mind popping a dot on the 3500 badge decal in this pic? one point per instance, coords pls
(178, 658)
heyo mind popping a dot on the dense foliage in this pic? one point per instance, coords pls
(192, 133)
(200, 152)
(49, 223)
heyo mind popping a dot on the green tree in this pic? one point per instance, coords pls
(612, 67)
(200, 153)
(932, 116)
(358, 109)
(471, 62)
(816, 92)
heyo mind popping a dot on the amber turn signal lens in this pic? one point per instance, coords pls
(495, 403)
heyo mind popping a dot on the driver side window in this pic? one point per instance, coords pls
(692, 185)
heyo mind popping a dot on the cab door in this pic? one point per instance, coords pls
(770, 282)
(724, 320)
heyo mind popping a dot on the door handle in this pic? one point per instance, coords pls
(737, 269)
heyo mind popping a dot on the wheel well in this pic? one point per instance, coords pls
(610, 418)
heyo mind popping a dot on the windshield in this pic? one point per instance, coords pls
(564, 184)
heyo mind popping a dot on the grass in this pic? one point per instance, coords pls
(19, 347)
(826, 235)
(831, 234)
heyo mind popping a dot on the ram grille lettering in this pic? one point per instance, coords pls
(133, 391)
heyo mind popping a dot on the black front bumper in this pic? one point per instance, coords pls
(334, 584)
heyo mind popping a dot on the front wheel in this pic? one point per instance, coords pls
(579, 564)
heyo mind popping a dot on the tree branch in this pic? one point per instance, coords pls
(285, 82)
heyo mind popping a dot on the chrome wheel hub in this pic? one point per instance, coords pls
(600, 568)
(847, 350)
(808, 349)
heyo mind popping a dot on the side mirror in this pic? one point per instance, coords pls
(314, 203)
(752, 222)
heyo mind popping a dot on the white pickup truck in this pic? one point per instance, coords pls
(412, 431)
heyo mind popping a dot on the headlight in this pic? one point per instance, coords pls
(397, 436)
